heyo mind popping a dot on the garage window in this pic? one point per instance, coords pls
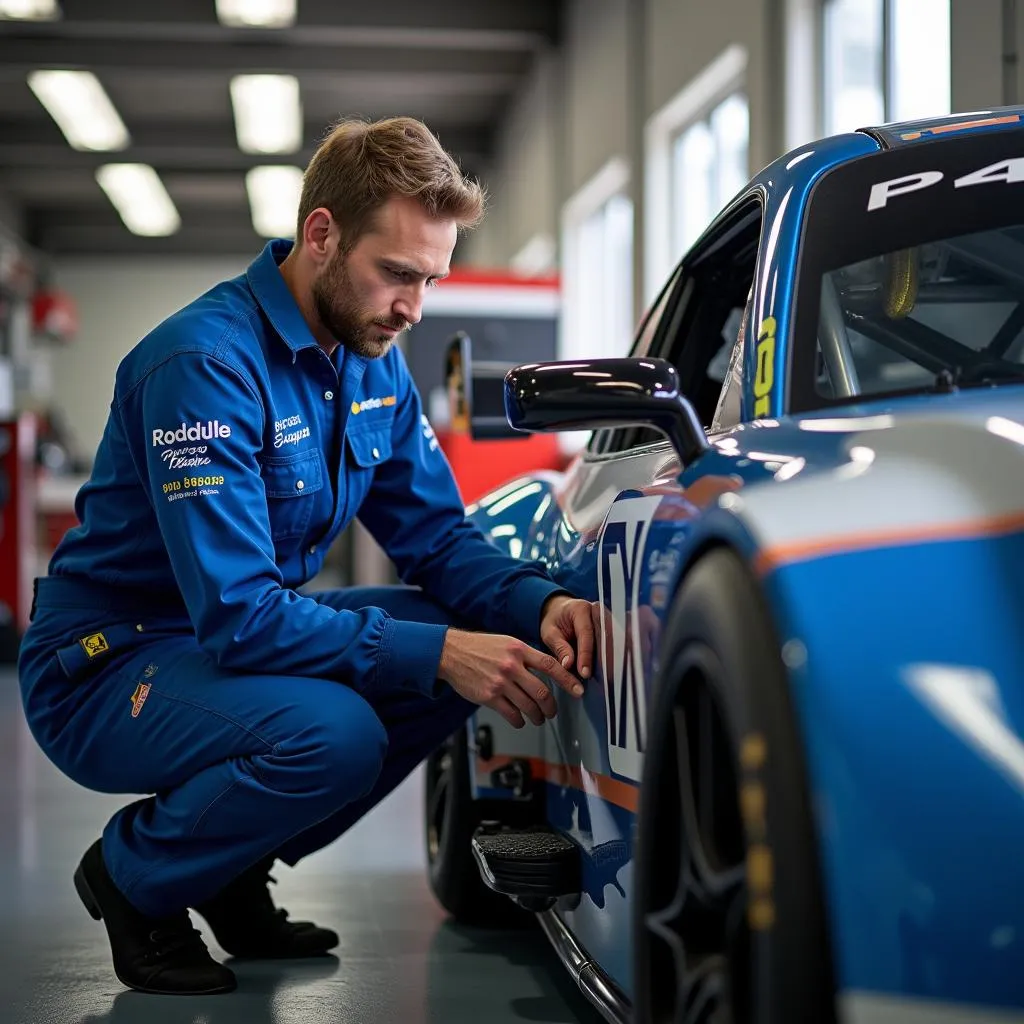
(884, 60)
(597, 308)
(696, 160)
(709, 166)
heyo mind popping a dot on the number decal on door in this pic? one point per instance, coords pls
(620, 568)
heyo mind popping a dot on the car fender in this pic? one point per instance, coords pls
(894, 583)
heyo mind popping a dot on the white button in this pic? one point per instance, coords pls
(299, 484)
(376, 454)
(312, 549)
(328, 395)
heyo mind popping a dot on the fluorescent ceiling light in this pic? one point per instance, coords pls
(268, 113)
(256, 13)
(140, 198)
(274, 200)
(29, 10)
(82, 110)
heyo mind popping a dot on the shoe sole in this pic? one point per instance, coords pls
(85, 894)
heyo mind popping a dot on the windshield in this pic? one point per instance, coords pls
(912, 273)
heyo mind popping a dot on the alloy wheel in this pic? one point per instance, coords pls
(700, 967)
(439, 785)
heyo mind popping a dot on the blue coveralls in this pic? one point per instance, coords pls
(170, 652)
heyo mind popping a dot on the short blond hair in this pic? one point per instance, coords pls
(360, 165)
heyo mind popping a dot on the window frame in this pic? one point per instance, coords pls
(725, 75)
(887, 87)
(736, 220)
(613, 179)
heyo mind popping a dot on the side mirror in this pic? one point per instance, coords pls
(587, 394)
(476, 392)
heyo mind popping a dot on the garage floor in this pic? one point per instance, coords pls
(399, 961)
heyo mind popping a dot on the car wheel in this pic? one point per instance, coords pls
(729, 924)
(452, 816)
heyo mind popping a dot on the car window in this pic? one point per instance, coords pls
(894, 322)
(730, 400)
(704, 339)
(903, 290)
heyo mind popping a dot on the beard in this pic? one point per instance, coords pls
(355, 327)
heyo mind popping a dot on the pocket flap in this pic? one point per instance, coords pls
(369, 447)
(291, 476)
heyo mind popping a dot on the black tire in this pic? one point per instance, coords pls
(451, 817)
(729, 918)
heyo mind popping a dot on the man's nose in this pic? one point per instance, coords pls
(409, 304)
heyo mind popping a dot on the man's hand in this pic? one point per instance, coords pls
(563, 620)
(494, 671)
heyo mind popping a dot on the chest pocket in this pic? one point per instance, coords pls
(367, 449)
(293, 484)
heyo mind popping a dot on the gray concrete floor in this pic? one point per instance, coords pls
(399, 960)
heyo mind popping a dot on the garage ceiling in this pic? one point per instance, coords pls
(166, 66)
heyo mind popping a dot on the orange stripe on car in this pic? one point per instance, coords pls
(965, 529)
(943, 128)
(614, 791)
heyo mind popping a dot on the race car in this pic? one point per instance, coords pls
(794, 789)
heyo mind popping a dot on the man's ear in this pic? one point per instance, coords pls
(316, 234)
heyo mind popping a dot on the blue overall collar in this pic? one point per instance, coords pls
(271, 292)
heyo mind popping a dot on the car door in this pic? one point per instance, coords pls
(615, 535)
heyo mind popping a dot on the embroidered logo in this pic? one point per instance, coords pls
(208, 431)
(284, 435)
(372, 403)
(139, 698)
(428, 433)
(94, 643)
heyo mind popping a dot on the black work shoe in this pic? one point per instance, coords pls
(164, 955)
(247, 924)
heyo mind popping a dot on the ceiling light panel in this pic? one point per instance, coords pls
(268, 113)
(81, 108)
(274, 200)
(140, 198)
(29, 10)
(256, 13)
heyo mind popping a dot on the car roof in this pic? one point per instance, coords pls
(803, 164)
(906, 133)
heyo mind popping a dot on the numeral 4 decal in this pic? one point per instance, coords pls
(1008, 172)
(620, 568)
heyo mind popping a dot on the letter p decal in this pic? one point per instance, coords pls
(885, 190)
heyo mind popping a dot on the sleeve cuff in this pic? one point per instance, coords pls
(524, 604)
(409, 656)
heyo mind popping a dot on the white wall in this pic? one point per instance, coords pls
(976, 54)
(523, 190)
(682, 39)
(620, 62)
(597, 87)
(119, 301)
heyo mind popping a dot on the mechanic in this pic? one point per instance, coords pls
(170, 653)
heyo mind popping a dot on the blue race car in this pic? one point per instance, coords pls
(794, 789)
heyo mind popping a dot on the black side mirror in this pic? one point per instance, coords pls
(476, 392)
(587, 394)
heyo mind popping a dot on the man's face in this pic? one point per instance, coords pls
(367, 297)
